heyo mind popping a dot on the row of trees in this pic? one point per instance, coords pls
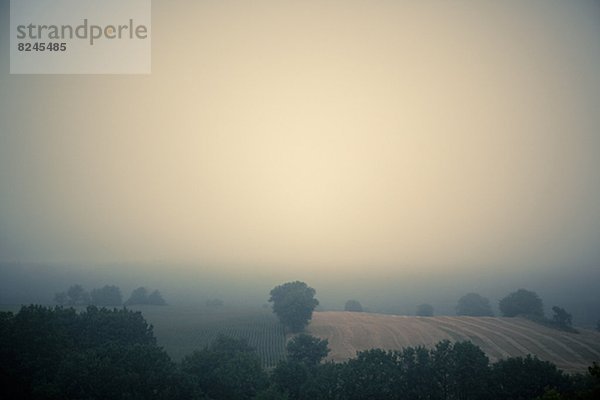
(294, 302)
(107, 296)
(112, 354)
(519, 303)
(448, 371)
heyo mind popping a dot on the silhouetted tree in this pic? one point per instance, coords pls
(58, 353)
(353, 305)
(474, 305)
(156, 299)
(526, 378)
(373, 374)
(561, 317)
(74, 296)
(470, 371)
(293, 303)
(425, 310)
(228, 369)
(106, 296)
(138, 296)
(77, 296)
(307, 349)
(522, 302)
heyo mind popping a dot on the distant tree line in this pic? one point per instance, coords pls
(57, 353)
(107, 296)
(294, 303)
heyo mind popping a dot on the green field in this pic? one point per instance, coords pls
(181, 330)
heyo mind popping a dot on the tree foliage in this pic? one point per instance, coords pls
(106, 296)
(76, 295)
(353, 305)
(228, 369)
(293, 303)
(140, 296)
(561, 317)
(526, 378)
(522, 302)
(474, 305)
(57, 353)
(155, 298)
(307, 349)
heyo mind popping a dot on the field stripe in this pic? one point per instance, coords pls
(539, 332)
(498, 325)
(551, 355)
(490, 343)
(526, 324)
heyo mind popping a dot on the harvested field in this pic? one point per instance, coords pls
(350, 332)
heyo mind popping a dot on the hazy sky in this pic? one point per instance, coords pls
(326, 135)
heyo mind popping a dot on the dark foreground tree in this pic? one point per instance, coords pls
(293, 303)
(58, 353)
(353, 305)
(474, 305)
(106, 296)
(526, 378)
(228, 369)
(307, 349)
(522, 302)
(425, 310)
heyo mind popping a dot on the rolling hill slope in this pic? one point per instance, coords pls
(350, 332)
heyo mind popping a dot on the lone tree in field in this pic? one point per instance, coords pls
(353, 305)
(293, 303)
(522, 302)
(425, 310)
(561, 317)
(474, 305)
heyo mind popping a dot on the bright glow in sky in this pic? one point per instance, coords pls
(317, 135)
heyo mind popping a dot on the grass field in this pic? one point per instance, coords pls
(498, 337)
(181, 330)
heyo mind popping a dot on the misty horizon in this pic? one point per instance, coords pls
(403, 153)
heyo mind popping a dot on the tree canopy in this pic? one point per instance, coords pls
(353, 305)
(522, 302)
(106, 296)
(293, 303)
(307, 349)
(474, 305)
(76, 295)
(227, 369)
(141, 296)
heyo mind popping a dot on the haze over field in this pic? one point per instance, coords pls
(423, 149)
